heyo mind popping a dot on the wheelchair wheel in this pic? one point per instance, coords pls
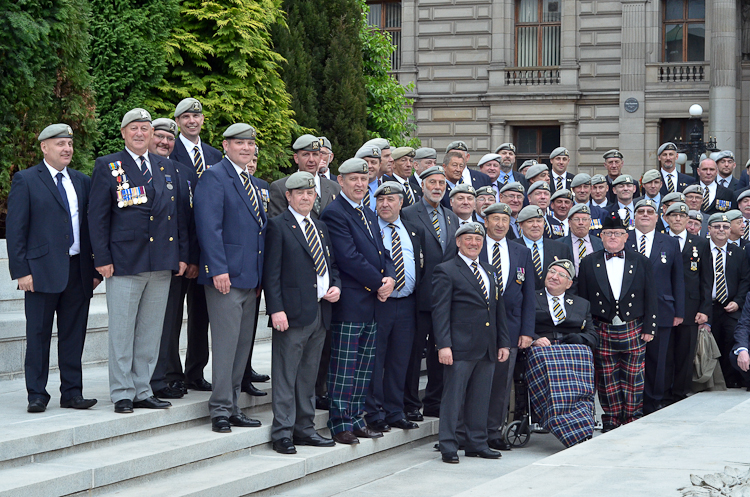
(518, 433)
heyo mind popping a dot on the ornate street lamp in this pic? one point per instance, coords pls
(695, 146)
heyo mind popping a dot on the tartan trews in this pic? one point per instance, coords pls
(619, 364)
(352, 359)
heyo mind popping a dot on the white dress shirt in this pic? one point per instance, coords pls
(405, 184)
(239, 170)
(711, 191)
(190, 147)
(682, 238)
(603, 205)
(73, 202)
(551, 306)
(649, 241)
(482, 272)
(673, 174)
(504, 257)
(553, 182)
(137, 160)
(615, 269)
(323, 282)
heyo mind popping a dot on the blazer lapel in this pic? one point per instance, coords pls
(79, 193)
(50, 183)
(425, 217)
(159, 179)
(291, 221)
(132, 171)
(463, 268)
(628, 273)
(600, 270)
(358, 221)
(229, 168)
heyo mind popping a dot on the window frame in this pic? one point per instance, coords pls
(396, 55)
(540, 31)
(684, 22)
(541, 156)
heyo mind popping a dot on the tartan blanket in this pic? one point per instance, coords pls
(561, 388)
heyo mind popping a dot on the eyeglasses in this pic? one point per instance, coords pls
(613, 234)
(559, 274)
(720, 227)
(163, 137)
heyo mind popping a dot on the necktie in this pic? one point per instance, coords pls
(704, 205)
(558, 183)
(746, 234)
(397, 256)
(627, 217)
(435, 222)
(366, 200)
(581, 249)
(497, 263)
(144, 169)
(409, 194)
(460, 181)
(558, 310)
(536, 260)
(315, 248)
(316, 205)
(200, 167)
(642, 246)
(504, 181)
(721, 282)
(609, 255)
(670, 183)
(723, 182)
(364, 219)
(250, 189)
(64, 196)
(475, 269)
(679, 240)
(547, 230)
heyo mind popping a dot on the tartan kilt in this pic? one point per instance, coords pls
(561, 388)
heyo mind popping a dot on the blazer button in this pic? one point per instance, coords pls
(151, 239)
(260, 233)
(260, 251)
(600, 302)
(381, 271)
(627, 314)
(632, 295)
(630, 305)
(169, 218)
(597, 294)
(172, 199)
(380, 253)
(171, 239)
(152, 218)
(315, 285)
(486, 324)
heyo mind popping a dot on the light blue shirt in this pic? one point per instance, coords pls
(539, 246)
(355, 206)
(407, 250)
(514, 226)
(503, 174)
(371, 192)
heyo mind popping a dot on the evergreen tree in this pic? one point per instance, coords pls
(220, 53)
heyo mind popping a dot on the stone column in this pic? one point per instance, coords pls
(497, 132)
(569, 140)
(722, 95)
(409, 43)
(633, 84)
(502, 42)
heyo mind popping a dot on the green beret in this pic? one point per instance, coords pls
(612, 154)
(188, 105)
(734, 214)
(677, 207)
(368, 151)
(355, 165)
(485, 190)
(402, 152)
(559, 151)
(538, 185)
(650, 175)
(309, 143)
(60, 130)
(724, 154)
(743, 195)
(666, 146)
(497, 208)
(425, 153)
(527, 163)
(506, 146)
(579, 209)
(240, 131)
(165, 124)
(530, 212)
(389, 188)
(488, 158)
(470, 228)
(697, 215)
(598, 179)
(513, 186)
(301, 180)
(718, 218)
(429, 171)
(381, 143)
(562, 193)
(536, 170)
(462, 188)
(566, 265)
(325, 142)
(673, 197)
(457, 145)
(623, 179)
(646, 202)
(580, 179)
(694, 188)
(136, 115)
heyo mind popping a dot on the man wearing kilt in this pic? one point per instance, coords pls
(619, 284)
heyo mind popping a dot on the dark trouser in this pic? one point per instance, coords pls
(656, 382)
(196, 358)
(682, 345)
(249, 367)
(722, 328)
(434, 389)
(169, 365)
(321, 383)
(72, 309)
(466, 391)
(502, 383)
(396, 326)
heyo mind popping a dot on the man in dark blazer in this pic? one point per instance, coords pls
(560, 178)
(424, 158)
(139, 238)
(397, 316)
(613, 162)
(471, 334)
(191, 151)
(439, 225)
(301, 282)
(620, 287)
(716, 198)
(326, 159)
(367, 279)
(581, 240)
(457, 172)
(672, 180)
(697, 272)
(725, 164)
(402, 170)
(730, 286)
(231, 225)
(665, 255)
(624, 187)
(49, 253)
(513, 266)
(543, 250)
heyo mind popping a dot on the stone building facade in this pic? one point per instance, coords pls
(543, 73)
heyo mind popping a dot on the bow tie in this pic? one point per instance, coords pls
(609, 255)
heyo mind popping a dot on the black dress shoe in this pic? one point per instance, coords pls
(315, 440)
(608, 427)
(431, 414)
(367, 432)
(484, 454)
(179, 385)
(250, 389)
(450, 457)
(124, 406)
(256, 377)
(220, 424)
(200, 384)
(414, 415)
(322, 403)
(36, 405)
(499, 444)
(78, 403)
(379, 425)
(151, 403)
(243, 421)
(404, 424)
(169, 393)
(284, 446)
(346, 437)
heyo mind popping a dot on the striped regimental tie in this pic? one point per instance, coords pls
(475, 269)
(558, 310)
(536, 260)
(397, 256)
(200, 166)
(581, 249)
(670, 183)
(704, 205)
(497, 263)
(721, 281)
(435, 222)
(315, 248)
(642, 246)
(250, 189)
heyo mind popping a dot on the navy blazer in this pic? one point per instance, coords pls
(263, 188)
(478, 180)
(553, 250)
(230, 237)
(553, 184)
(137, 238)
(37, 230)
(188, 181)
(519, 292)
(183, 156)
(666, 265)
(683, 181)
(362, 259)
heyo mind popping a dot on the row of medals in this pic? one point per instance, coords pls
(122, 179)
